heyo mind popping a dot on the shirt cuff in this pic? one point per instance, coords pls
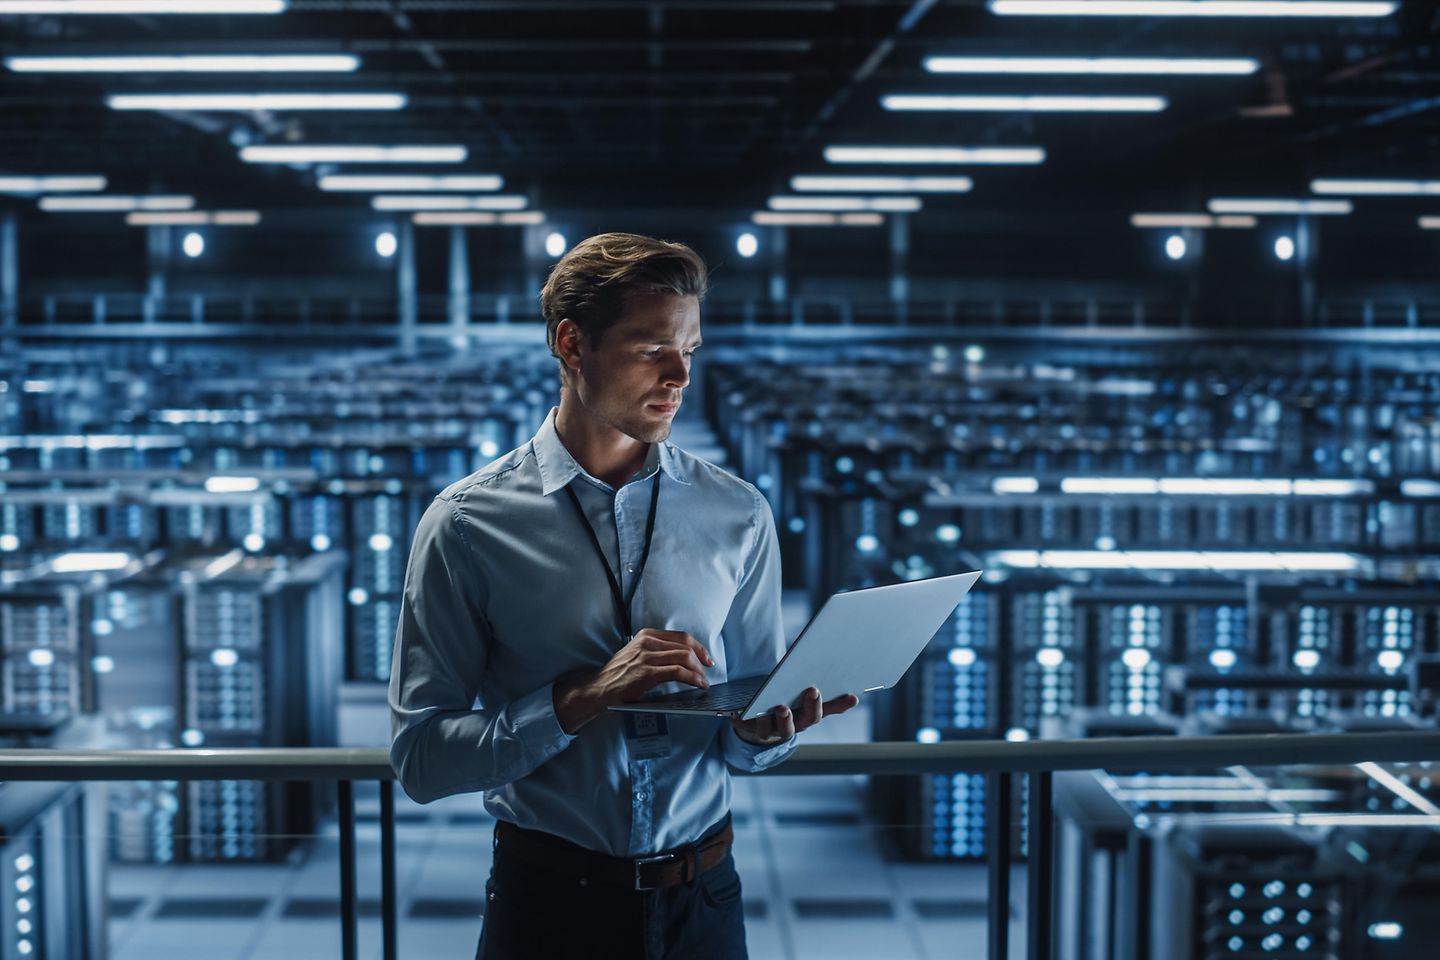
(749, 757)
(532, 718)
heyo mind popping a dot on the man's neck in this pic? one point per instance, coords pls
(604, 452)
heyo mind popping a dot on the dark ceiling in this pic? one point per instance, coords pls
(718, 102)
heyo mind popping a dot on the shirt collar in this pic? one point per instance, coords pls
(558, 467)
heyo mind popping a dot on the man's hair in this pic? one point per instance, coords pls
(591, 284)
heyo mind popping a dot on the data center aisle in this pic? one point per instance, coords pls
(815, 881)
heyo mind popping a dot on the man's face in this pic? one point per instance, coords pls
(634, 378)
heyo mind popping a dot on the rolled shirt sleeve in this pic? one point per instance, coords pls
(442, 744)
(754, 634)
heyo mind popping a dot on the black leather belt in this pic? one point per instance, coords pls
(669, 869)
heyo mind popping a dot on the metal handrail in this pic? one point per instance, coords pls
(889, 758)
(999, 760)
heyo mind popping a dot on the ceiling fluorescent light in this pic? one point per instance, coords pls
(1378, 188)
(827, 184)
(1193, 8)
(126, 7)
(114, 204)
(1199, 221)
(246, 63)
(771, 218)
(476, 219)
(342, 153)
(257, 101)
(28, 186)
(493, 202)
(1193, 221)
(844, 204)
(1430, 223)
(218, 218)
(410, 183)
(1266, 206)
(975, 155)
(1094, 66)
(1023, 104)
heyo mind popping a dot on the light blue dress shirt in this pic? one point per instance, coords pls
(504, 595)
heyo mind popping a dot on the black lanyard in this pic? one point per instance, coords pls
(622, 602)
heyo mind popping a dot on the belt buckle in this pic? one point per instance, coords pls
(642, 861)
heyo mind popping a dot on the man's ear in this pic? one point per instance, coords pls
(569, 343)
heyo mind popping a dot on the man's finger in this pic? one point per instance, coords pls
(680, 655)
(676, 671)
(811, 710)
(685, 639)
(840, 704)
(784, 722)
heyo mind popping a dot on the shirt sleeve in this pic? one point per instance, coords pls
(754, 634)
(442, 743)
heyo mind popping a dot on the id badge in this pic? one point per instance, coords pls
(647, 736)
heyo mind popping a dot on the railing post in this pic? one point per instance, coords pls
(388, 908)
(349, 928)
(1040, 871)
(998, 788)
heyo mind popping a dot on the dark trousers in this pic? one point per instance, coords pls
(531, 911)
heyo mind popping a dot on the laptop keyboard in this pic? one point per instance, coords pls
(722, 696)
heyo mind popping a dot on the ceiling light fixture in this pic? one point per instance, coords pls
(218, 218)
(343, 153)
(1023, 103)
(828, 184)
(417, 183)
(27, 186)
(1094, 66)
(847, 204)
(771, 218)
(114, 204)
(1378, 188)
(1268, 206)
(477, 219)
(1196, 221)
(126, 7)
(441, 202)
(975, 155)
(189, 63)
(246, 102)
(1193, 8)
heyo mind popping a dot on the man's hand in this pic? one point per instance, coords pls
(780, 724)
(653, 657)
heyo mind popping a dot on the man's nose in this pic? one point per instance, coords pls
(677, 375)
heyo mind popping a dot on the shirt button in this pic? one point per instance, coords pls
(629, 568)
(640, 795)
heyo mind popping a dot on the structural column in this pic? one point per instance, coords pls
(405, 289)
(157, 264)
(9, 271)
(900, 265)
(779, 290)
(1307, 254)
(459, 279)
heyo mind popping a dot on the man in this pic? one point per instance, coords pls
(587, 568)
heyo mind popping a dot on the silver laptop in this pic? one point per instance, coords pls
(858, 641)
